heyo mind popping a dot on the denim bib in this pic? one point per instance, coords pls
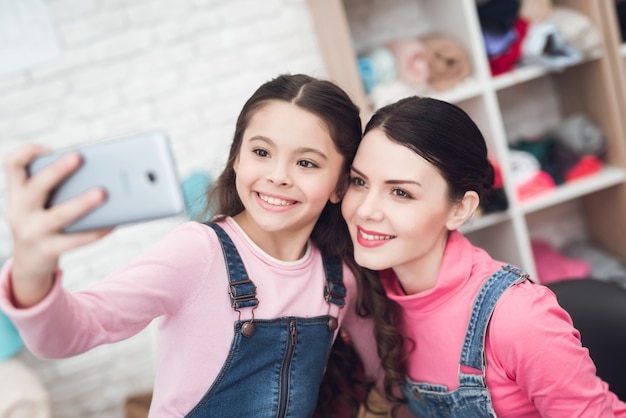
(275, 366)
(471, 398)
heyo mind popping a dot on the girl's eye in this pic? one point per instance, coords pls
(357, 181)
(307, 164)
(261, 152)
(401, 193)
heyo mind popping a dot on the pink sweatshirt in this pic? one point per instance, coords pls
(536, 366)
(181, 278)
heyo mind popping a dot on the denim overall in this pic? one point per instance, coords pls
(275, 366)
(471, 398)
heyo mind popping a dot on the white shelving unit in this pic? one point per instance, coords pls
(525, 100)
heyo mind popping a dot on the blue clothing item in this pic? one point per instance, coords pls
(376, 67)
(497, 43)
(472, 397)
(10, 340)
(194, 188)
(275, 366)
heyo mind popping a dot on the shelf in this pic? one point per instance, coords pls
(523, 74)
(525, 101)
(608, 177)
(518, 76)
(468, 89)
(387, 93)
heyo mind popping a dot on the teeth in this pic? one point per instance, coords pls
(375, 237)
(274, 201)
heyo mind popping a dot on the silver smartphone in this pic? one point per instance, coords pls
(137, 172)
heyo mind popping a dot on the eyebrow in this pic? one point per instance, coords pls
(394, 181)
(300, 150)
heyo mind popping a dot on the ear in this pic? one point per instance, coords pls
(340, 190)
(462, 210)
(236, 164)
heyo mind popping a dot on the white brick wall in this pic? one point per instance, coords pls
(185, 66)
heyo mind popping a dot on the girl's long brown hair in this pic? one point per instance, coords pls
(330, 233)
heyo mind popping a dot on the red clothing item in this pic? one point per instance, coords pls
(539, 184)
(506, 61)
(586, 166)
(536, 366)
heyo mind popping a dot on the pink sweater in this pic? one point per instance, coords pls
(536, 366)
(182, 278)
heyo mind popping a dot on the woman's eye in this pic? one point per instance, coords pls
(401, 193)
(261, 152)
(357, 181)
(307, 164)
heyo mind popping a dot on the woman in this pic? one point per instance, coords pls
(461, 334)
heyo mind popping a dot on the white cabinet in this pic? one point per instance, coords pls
(521, 101)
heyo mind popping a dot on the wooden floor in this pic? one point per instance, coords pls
(377, 404)
(137, 406)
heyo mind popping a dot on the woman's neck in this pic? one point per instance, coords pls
(421, 273)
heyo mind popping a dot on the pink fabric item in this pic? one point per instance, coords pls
(411, 62)
(553, 266)
(587, 165)
(540, 183)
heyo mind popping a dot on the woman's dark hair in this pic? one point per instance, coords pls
(445, 136)
(330, 234)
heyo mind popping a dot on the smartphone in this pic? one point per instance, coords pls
(137, 172)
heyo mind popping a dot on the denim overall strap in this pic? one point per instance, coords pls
(472, 397)
(275, 371)
(335, 291)
(240, 288)
(473, 352)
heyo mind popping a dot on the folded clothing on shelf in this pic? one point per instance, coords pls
(545, 46)
(411, 61)
(604, 266)
(577, 30)
(377, 66)
(552, 265)
(448, 61)
(527, 176)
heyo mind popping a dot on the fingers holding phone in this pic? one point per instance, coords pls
(28, 195)
(71, 197)
(38, 240)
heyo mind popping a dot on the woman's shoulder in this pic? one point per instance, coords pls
(528, 308)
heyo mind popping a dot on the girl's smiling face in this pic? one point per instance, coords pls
(397, 208)
(288, 168)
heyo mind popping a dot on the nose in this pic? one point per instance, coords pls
(370, 207)
(279, 174)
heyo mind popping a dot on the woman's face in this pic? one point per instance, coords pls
(396, 207)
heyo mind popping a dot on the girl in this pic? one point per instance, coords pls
(251, 302)
(480, 339)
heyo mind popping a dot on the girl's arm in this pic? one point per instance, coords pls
(165, 280)
(38, 242)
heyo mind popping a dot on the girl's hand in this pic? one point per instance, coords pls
(38, 240)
